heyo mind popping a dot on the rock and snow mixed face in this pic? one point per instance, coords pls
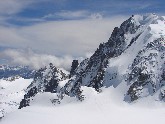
(132, 61)
(131, 64)
(146, 71)
(48, 79)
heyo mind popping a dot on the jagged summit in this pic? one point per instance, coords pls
(132, 61)
(45, 80)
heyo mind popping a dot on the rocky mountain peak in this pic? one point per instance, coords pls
(132, 61)
(45, 80)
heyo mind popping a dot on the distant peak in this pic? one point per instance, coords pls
(150, 15)
(144, 19)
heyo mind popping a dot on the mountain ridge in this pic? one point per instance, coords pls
(132, 57)
(8, 72)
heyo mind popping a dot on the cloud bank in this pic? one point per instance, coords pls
(35, 60)
(60, 38)
(76, 34)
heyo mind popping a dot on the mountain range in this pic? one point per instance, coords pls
(132, 62)
(133, 57)
(10, 72)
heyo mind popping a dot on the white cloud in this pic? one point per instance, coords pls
(142, 6)
(89, 54)
(35, 60)
(67, 39)
(8, 7)
(78, 36)
(80, 14)
(96, 16)
(69, 14)
(71, 37)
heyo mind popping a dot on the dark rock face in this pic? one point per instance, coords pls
(73, 68)
(45, 80)
(92, 75)
(31, 93)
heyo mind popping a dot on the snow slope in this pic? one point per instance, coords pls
(95, 109)
(11, 93)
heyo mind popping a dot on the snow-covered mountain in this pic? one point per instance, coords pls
(129, 68)
(132, 61)
(45, 80)
(11, 72)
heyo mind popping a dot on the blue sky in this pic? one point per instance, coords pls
(35, 11)
(36, 32)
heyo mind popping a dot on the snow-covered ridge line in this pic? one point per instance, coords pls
(122, 62)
